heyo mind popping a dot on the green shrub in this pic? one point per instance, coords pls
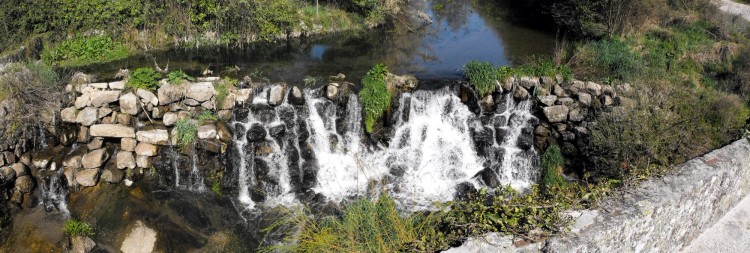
(482, 76)
(206, 115)
(222, 89)
(216, 187)
(614, 58)
(77, 228)
(85, 50)
(187, 133)
(375, 96)
(178, 77)
(552, 166)
(144, 78)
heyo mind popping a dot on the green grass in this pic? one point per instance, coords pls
(375, 96)
(144, 78)
(222, 89)
(187, 133)
(552, 167)
(178, 77)
(206, 115)
(85, 50)
(77, 228)
(483, 76)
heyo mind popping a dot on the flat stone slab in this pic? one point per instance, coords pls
(112, 131)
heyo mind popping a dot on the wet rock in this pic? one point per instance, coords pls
(212, 145)
(73, 160)
(143, 161)
(224, 132)
(490, 178)
(82, 244)
(276, 94)
(125, 160)
(94, 159)
(224, 115)
(88, 177)
(507, 84)
(296, 97)
(487, 103)
(156, 136)
(102, 98)
(243, 96)
(41, 160)
(7, 175)
(556, 113)
(128, 144)
(170, 93)
(68, 115)
(256, 133)
(146, 149)
(207, 131)
(548, 100)
(113, 176)
(140, 239)
(87, 116)
(520, 93)
(526, 140)
(463, 190)
(277, 130)
(95, 143)
(200, 92)
(241, 114)
(20, 169)
(332, 91)
(112, 131)
(398, 170)
(500, 134)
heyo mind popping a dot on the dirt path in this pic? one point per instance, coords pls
(729, 235)
(735, 8)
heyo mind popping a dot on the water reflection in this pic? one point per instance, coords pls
(461, 30)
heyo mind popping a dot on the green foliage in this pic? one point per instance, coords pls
(178, 77)
(85, 50)
(187, 133)
(144, 78)
(552, 167)
(310, 81)
(365, 226)
(483, 76)
(216, 187)
(206, 115)
(222, 89)
(74, 228)
(375, 96)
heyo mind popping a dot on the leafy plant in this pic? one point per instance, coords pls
(206, 115)
(74, 228)
(375, 96)
(552, 165)
(216, 187)
(85, 50)
(222, 89)
(143, 78)
(187, 133)
(178, 77)
(482, 76)
(310, 81)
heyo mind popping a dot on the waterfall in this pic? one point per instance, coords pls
(54, 194)
(195, 183)
(304, 152)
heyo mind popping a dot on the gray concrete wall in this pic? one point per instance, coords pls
(665, 214)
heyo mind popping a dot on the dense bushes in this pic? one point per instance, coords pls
(374, 96)
(84, 50)
(144, 78)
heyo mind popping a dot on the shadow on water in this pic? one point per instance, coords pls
(461, 30)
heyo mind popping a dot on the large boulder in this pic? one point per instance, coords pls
(88, 177)
(25, 184)
(170, 93)
(201, 92)
(276, 94)
(112, 131)
(146, 149)
(156, 136)
(87, 116)
(141, 239)
(296, 97)
(129, 104)
(556, 113)
(94, 159)
(147, 96)
(101, 98)
(332, 91)
(256, 133)
(224, 132)
(125, 160)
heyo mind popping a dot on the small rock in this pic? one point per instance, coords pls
(145, 149)
(7, 175)
(593, 88)
(88, 177)
(119, 85)
(191, 102)
(96, 143)
(585, 98)
(528, 82)
(124, 119)
(507, 84)
(125, 160)
(548, 100)
(102, 86)
(104, 112)
(113, 176)
(82, 244)
(148, 97)
(578, 86)
(20, 169)
(296, 97)
(170, 119)
(94, 159)
(143, 162)
(101, 98)
(156, 136)
(200, 92)
(556, 113)
(575, 115)
(129, 104)
(558, 90)
(112, 131)
(87, 116)
(228, 102)
(487, 102)
(256, 133)
(25, 184)
(68, 115)
(169, 93)
(128, 182)
(607, 101)
(520, 93)
(128, 144)
(207, 131)
(565, 101)
(83, 134)
(140, 239)
(332, 91)
(224, 132)
(243, 96)
(212, 145)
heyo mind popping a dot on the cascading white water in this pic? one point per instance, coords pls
(433, 149)
(195, 183)
(54, 195)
